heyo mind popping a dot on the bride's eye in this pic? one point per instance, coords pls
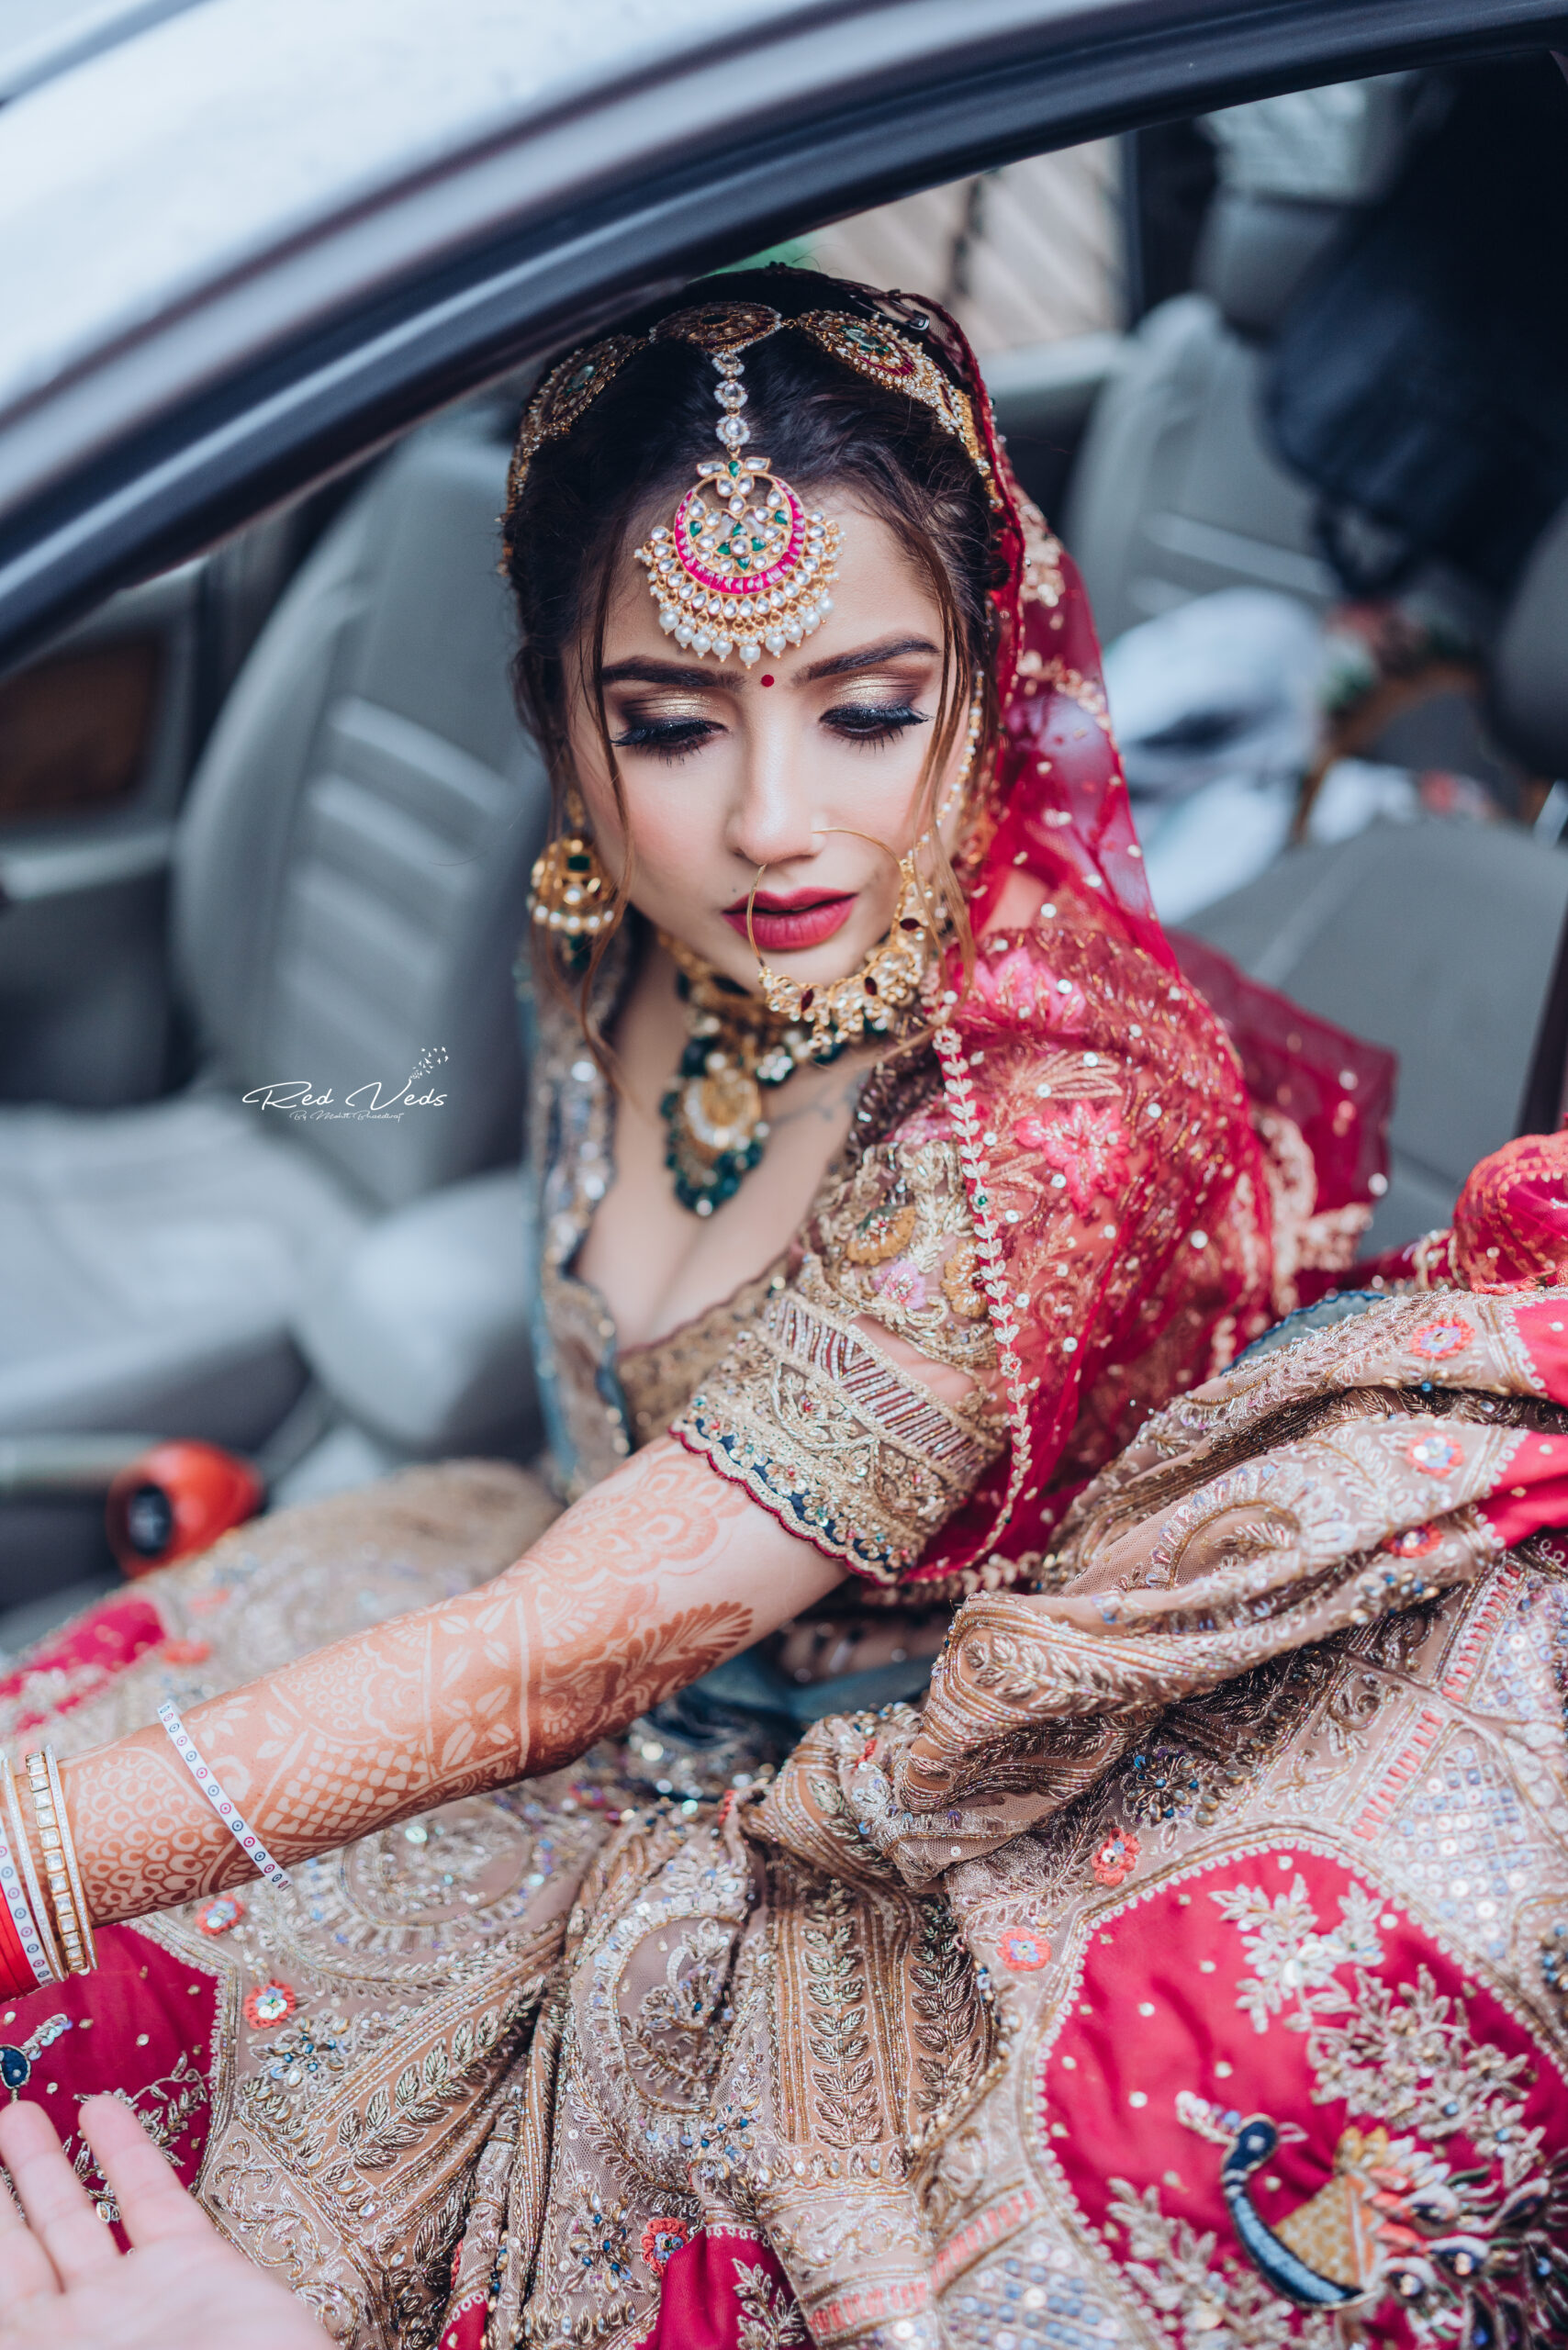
(873, 722)
(667, 738)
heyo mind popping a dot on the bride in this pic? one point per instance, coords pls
(689, 1931)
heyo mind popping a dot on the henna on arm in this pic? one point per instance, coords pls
(654, 1577)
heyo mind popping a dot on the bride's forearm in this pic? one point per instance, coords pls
(647, 1582)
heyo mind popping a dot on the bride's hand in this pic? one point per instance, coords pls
(65, 2283)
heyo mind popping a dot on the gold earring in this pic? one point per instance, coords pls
(569, 891)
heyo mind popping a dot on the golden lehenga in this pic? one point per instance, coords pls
(950, 2019)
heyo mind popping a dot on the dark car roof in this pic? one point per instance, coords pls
(243, 245)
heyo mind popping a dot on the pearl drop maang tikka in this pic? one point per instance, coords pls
(742, 568)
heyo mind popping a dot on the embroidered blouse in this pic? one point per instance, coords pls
(1128, 1185)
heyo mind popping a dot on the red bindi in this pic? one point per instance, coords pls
(765, 681)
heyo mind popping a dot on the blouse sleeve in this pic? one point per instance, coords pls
(813, 1414)
(1094, 1120)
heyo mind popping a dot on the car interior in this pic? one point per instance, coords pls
(266, 825)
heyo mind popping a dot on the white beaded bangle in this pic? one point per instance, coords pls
(244, 1835)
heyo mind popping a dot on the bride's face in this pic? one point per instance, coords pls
(726, 769)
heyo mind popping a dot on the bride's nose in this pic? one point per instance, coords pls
(772, 818)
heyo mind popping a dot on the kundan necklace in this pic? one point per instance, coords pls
(735, 1045)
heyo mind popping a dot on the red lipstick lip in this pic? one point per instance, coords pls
(767, 901)
(789, 925)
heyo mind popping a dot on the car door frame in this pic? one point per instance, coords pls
(352, 326)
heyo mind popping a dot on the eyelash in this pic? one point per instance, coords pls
(873, 723)
(674, 739)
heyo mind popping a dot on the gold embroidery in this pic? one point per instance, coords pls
(894, 1240)
(774, 2031)
(828, 1434)
(659, 1379)
(947, 2026)
(881, 1235)
(960, 1283)
(397, 2116)
(1042, 581)
(1305, 1239)
(163, 2108)
(769, 2319)
(840, 2068)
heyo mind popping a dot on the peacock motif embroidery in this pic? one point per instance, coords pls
(1475, 2253)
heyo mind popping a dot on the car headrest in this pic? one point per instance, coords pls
(1530, 665)
(1255, 251)
(1340, 144)
(1291, 170)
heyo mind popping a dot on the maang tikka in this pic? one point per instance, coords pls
(742, 567)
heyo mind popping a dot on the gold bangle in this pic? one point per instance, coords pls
(23, 1849)
(71, 1919)
(68, 1845)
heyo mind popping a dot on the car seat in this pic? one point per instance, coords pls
(348, 893)
(1176, 492)
(1437, 938)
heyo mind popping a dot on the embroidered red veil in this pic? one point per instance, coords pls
(1282, 1155)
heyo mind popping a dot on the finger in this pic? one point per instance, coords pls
(58, 2209)
(152, 2204)
(27, 2272)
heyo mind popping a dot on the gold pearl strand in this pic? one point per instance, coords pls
(960, 782)
(569, 891)
(840, 1011)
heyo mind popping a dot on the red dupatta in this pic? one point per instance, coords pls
(1203, 1218)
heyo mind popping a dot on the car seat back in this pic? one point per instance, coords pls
(1176, 492)
(352, 867)
(1442, 939)
(1435, 939)
(1530, 716)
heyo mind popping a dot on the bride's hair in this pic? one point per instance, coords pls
(590, 495)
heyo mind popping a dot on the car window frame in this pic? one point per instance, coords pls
(165, 444)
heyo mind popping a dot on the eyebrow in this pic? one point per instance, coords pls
(844, 663)
(641, 672)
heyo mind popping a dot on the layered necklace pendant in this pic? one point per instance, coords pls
(740, 1046)
(736, 1052)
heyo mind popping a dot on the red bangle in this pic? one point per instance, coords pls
(22, 1893)
(16, 1977)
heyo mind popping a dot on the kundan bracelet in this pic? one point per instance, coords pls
(244, 1835)
(72, 1923)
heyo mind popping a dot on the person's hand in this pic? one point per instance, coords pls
(65, 2283)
